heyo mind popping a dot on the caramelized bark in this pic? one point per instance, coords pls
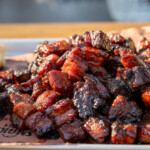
(45, 99)
(97, 39)
(89, 96)
(98, 129)
(75, 67)
(123, 133)
(23, 110)
(125, 111)
(62, 111)
(116, 38)
(40, 123)
(144, 129)
(59, 81)
(54, 48)
(72, 132)
(49, 63)
(17, 122)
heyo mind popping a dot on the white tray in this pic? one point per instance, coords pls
(23, 46)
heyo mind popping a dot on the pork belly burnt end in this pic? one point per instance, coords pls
(40, 123)
(23, 75)
(62, 111)
(136, 77)
(98, 129)
(89, 96)
(17, 122)
(57, 48)
(72, 132)
(125, 111)
(75, 66)
(97, 39)
(146, 96)
(23, 110)
(46, 99)
(144, 129)
(123, 133)
(59, 81)
(49, 63)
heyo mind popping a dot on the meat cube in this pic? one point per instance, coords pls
(129, 43)
(98, 129)
(54, 48)
(62, 59)
(144, 43)
(14, 88)
(75, 67)
(116, 38)
(123, 133)
(62, 111)
(49, 63)
(89, 96)
(117, 85)
(146, 96)
(4, 102)
(38, 89)
(76, 41)
(8, 76)
(95, 57)
(17, 98)
(136, 77)
(130, 61)
(27, 87)
(22, 76)
(119, 107)
(45, 99)
(126, 111)
(97, 39)
(144, 129)
(59, 81)
(3, 85)
(23, 110)
(17, 122)
(40, 123)
(72, 132)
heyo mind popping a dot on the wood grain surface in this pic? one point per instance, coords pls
(57, 30)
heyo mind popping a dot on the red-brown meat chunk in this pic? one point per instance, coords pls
(98, 129)
(17, 122)
(97, 39)
(49, 63)
(144, 129)
(23, 110)
(125, 111)
(75, 66)
(16, 99)
(72, 132)
(116, 38)
(45, 99)
(123, 133)
(59, 81)
(40, 123)
(54, 48)
(38, 89)
(62, 111)
(146, 96)
(89, 96)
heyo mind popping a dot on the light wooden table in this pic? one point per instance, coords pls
(57, 30)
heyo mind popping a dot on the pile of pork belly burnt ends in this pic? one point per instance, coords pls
(94, 87)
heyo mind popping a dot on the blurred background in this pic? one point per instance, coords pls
(21, 11)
